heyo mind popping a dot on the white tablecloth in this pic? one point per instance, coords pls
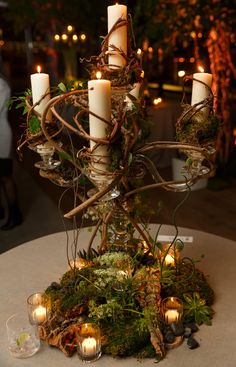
(33, 266)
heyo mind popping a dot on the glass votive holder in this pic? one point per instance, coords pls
(37, 308)
(172, 310)
(89, 342)
(170, 255)
(23, 339)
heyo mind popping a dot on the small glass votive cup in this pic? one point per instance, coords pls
(172, 310)
(170, 254)
(23, 339)
(89, 342)
(37, 306)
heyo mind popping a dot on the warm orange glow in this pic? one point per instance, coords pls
(39, 69)
(199, 35)
(157, 101)
(139, 51)
(83, 37)
(192, 60)
(181, 73)
(69, 28)
(75, 37)
(57, 37)
(150, 49)
(64, 37)
(98, 74)
(193, 34)
(234, 132)
(181, 59)
(2, 43)
(201, 69)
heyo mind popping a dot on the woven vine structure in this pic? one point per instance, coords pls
(68, 134)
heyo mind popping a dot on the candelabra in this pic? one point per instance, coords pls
(104, 141)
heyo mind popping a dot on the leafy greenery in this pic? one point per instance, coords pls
(195, 309)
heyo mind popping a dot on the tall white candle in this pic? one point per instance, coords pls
(99, 95)
(40, 85)
(199, 90)
(118, 38)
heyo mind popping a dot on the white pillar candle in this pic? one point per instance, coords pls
(39, 314)
(99, 96)
(199, 90)
(171, 316)
(89, 346)
(118, 38)
(40, 85)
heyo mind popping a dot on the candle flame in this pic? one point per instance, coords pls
(201, 69)
(172, 299)
(39, 69)
(98, 74)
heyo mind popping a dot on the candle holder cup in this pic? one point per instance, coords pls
(172, 310)
(170, 254)
(46, 152)
(89, 342)
(38, 308)
(23, 339)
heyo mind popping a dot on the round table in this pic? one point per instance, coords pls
(32, 266)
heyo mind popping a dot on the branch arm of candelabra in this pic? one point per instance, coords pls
(95, 197)
(169, 145)
(179, 186)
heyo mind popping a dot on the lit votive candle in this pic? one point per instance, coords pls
(172, 310)
(171, 316)
(89, 342)
(89, 346)
(40, 314)
(37, 308)
(169, 260)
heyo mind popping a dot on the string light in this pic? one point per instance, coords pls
(57, 37)
(83, 37)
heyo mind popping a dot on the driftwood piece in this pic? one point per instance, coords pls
(60, 333)
(150, 297)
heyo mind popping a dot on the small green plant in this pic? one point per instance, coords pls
(195, 309)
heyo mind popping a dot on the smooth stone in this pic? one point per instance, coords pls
(187, 332)
(169, 337)
(177, 328)
(192, 326)
(192, 343)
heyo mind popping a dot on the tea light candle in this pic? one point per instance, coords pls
(118, 38)
(40, 86)
(171, 316)
(40, 314)
(169, 260)
(89, 346)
